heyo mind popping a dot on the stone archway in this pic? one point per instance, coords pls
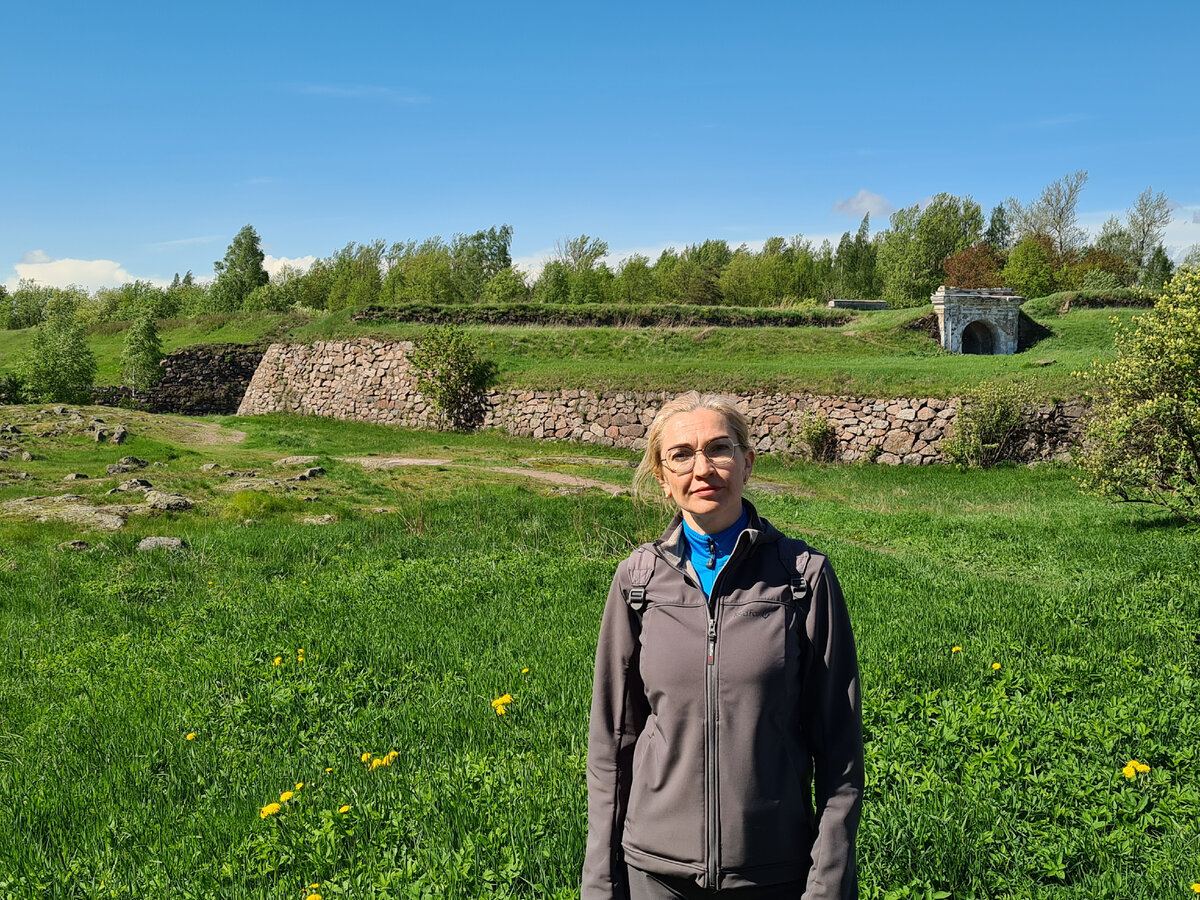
(977, 338)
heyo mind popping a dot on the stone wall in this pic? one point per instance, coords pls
(369, 381)
(204, 379)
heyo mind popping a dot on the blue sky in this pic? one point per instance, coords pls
(142, 136)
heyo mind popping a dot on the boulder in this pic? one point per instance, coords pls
(74, 476)
(172, 502)
(74, 545)
(160, 543)
(295, 461)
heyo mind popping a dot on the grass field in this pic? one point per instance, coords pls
(874, 356)
(153, 706)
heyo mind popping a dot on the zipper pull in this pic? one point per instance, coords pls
(712, 640)
(712, 554)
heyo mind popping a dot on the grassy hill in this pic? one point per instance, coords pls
(874, 354)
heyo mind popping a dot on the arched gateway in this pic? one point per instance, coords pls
(978, 321)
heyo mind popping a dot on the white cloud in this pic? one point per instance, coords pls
(87, 273)
(274, 263)
(1196, 217)
(864, 202)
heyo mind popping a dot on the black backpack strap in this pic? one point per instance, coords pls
(641, 567)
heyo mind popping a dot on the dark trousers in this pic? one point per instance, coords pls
(644, 886)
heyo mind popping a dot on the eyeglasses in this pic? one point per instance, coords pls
(719, 452)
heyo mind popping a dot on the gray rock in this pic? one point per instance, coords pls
(133, 485)
(133, 461)
(172, 502)
(59, 410)
(9, 428)
(119, 434)
(295, 461)
(160, 543)
(210, 467)
(319, 520)
(27, 456)
(118, 469)
(74, 545)
(74, 476)
(100, 436)
(5, 453)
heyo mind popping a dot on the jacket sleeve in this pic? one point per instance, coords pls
(833, 727)
(619, 712)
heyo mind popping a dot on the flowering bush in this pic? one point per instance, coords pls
(1143, 442)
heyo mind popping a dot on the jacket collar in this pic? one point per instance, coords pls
(672, 546)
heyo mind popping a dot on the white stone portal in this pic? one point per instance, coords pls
(982, 321)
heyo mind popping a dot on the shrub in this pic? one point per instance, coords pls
(59, 365)
(989, 426)
(141, 355)
(451, 375)
(12, 389)
(1142, 444)
(818, 436)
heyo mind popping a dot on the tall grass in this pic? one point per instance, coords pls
(982, 781)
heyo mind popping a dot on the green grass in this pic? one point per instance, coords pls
(874, 355)
(986, 783)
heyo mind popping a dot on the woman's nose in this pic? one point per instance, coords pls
(699, 467)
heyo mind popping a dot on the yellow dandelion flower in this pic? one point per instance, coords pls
(344, 809)
(366, 757)
(313, 897)
(1129, 771)
(1141, 767)
(286, 796)
(299, 784)
(502, 710)
(525, 671)
(995, 666)
(500, 701)
(328, 769)
(210, 582)
(377, 762)
(191, 736)
(1196, 887)
(392, 754)
(278, 660)
(269, 810)
(314, 886)
(305, 581)
(956, 649)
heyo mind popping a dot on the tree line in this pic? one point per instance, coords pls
(1036, 248)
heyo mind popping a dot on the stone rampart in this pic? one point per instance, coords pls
(204, 379)
(369, 381)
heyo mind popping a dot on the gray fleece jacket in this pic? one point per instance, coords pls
(725, 743)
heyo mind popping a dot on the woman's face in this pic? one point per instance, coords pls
(710, 497)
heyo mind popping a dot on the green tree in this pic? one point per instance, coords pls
(478, 258)
(1030, 267)
(1158, 270)
(59, 365)
(141, 355)
(451, 374)
(506, 286)
(635, 280)
(240, 272)
(999, 231)
(1142, 442)
(978, 266)
(919, 240)
(355, 275)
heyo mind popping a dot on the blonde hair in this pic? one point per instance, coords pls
(649, 471)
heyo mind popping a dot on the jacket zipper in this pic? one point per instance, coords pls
(710, 768)
(711, 788)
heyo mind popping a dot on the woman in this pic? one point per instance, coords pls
(725, 746)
